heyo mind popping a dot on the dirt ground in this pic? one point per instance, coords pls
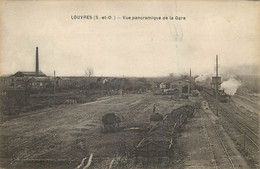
(63, 136)
(67, 135)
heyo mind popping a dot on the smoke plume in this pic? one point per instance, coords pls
(203, 77)
(230, 86)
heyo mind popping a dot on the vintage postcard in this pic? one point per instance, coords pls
(129, 84)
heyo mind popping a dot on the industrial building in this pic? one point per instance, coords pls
(181, 86)
(22, 79)
(36, 73)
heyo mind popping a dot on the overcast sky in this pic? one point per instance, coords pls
(129, 48)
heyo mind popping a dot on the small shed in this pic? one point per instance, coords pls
(162, 86)
(105, 81)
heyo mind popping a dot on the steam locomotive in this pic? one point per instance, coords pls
(222, 96)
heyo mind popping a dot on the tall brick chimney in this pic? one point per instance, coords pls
(37, 62)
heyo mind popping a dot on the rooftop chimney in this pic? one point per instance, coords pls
(37, 62)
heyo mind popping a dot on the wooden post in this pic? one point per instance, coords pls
(216, 85)
(190, 82)
(54, 85)
(82, 163)
(111, 164)
(89, 161)
(244, 142)
(173, 128)
(140, 142)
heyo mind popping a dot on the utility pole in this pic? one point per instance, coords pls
(217, 84)
(190, 82)
(54, 85)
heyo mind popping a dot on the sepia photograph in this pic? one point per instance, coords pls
(162, 84)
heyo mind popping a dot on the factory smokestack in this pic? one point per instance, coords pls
(37, 62)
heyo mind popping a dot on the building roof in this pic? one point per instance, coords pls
(28, 74)
(5, 76)
(186, 79)
(40, 79)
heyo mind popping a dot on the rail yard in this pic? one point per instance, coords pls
(129, 85)
(190, 135)
(106, 122)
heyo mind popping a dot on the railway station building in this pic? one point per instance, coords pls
(181, 86)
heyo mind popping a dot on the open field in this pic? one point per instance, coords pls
(19, 103)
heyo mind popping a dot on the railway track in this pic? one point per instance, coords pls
(210, 144)
(221, 143)
(249, 121)
(254, 120)
(251, 102)
(250, 133)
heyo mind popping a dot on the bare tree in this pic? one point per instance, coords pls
(89, 72)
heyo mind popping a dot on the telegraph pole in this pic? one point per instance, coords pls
(216, 85)
(54, 85)
(190, 82)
